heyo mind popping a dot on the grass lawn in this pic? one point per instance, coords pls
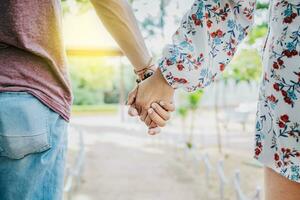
(95, 109)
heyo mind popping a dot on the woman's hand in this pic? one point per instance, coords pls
(158, 115)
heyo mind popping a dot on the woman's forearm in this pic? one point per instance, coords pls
(205, 42)
(118, 18)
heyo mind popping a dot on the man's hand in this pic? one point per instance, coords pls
(145, 99)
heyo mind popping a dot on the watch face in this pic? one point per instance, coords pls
(148, 74)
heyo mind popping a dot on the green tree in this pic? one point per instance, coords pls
(245, 66)
(258, 32)
(90, 79)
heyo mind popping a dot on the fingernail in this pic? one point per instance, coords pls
(162, 103)
(157, 130)
(151, 132)
(153, 105)
(150, 111)
(134, 112)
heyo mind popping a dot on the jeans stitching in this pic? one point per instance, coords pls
(48, 128)
(25, 136)
(42, 147)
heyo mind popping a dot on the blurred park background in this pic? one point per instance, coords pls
(206, 150)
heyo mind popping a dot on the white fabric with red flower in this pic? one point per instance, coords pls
(205, 43)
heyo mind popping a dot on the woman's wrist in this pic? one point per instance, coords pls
(158, 76)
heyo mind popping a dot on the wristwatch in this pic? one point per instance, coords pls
(146, 75)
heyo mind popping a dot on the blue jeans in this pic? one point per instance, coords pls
(33, 141)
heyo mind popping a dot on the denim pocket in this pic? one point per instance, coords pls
(23, 125)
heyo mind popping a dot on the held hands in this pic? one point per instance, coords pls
(151, 100)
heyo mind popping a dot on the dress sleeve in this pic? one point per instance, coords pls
(205, 42)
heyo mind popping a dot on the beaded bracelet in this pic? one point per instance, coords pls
(145, 72)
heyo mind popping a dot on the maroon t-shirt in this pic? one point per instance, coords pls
(32, 55)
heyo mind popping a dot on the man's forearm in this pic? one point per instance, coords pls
(120, 21)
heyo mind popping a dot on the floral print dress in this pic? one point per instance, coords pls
(205, 43)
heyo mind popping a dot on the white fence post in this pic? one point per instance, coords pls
(257, 195)
(208, 167)
(237, 186)
(223, 180)
(240, 195)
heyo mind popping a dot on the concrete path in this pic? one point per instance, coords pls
(123, 163)
(123, 167)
